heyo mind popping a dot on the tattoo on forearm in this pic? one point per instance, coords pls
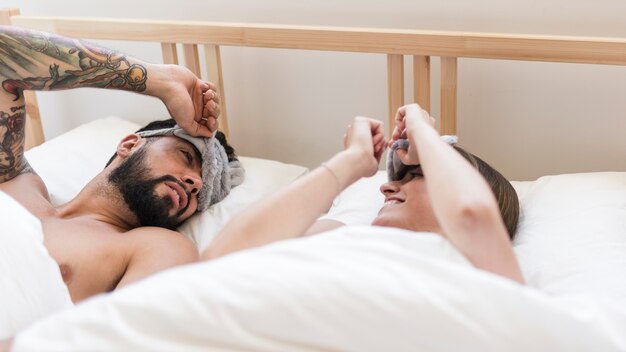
(12, 161)
(38, 61)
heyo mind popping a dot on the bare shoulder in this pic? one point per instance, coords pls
(170, 244)
(29, 190)
(155, 249)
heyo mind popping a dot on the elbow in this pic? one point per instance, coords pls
(476, 214)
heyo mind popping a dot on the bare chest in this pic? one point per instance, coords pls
(92, 260)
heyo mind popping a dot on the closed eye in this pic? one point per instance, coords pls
(417, 172)
(414, 171)
(188, 156)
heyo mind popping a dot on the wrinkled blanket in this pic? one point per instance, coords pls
(353, 289)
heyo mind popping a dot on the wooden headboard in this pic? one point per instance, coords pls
(421, 45)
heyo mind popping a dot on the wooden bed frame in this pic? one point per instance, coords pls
(421, 45)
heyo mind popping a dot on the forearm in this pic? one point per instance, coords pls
(34, 60)
(464, 205)
(289, 212)
(453, 183)
(31, 60)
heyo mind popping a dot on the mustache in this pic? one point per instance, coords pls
(171, 178)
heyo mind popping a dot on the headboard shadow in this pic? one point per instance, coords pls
(394, 43)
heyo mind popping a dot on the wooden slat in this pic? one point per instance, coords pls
(33, 129)
(448, 95)
(170, 55)
(6, 14)
(388, 41)
(421, 81)
(395, 87)
(214, 74)
(192, 60)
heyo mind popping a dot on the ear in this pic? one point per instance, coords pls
(128, 144)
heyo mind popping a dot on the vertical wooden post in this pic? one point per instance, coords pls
(170, 55)
(448, 95)
(214, 74)
(33, 129)
(395, 87)
(421, 81)
(192, 61)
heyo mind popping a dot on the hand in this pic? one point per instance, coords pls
(408, 118)
(365, 137)
(193, 103)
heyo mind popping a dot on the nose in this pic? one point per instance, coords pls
(194, 182)
(390, 187)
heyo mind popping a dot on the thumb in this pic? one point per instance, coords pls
(405, 157)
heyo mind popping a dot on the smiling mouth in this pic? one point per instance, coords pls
(392, 201)
(179, 197)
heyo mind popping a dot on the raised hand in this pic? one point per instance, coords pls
(366, 137)
(193, 103)
(408, 118)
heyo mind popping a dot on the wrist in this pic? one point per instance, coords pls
(160, 78)
(349, 166)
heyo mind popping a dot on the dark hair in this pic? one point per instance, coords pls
(169, 123)
(502, 189)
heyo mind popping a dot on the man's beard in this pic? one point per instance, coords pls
(139, 192)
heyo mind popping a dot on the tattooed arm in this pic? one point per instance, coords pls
(31, 60)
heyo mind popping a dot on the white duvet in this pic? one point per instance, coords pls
(356, 289)
(353, 289)
(31, 286)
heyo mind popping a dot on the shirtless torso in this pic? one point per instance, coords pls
(100, 241)
(95, 256)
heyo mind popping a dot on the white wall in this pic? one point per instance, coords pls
(527, 119)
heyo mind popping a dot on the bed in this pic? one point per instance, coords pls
(358, 288)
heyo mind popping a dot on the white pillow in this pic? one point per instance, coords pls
(572, 234)
(571, 237)
(68, 162)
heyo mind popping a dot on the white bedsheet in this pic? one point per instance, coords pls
(31, 286)
(353, 289)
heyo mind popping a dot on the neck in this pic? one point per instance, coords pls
(101, 201)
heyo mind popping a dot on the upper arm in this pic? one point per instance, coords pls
(323, 225)
(12, 122)
(154, 250)
(481, 236)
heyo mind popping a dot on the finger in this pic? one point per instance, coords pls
(403, 135)
(198, 129)
(211, 95)
(379, 153)
(404, 156)
(197, 100)
(205, 113)
(213, 124)
(378, 138)
(211, 86)
(379, 147)
(213, 108)
(377, 127)
(204, 86)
